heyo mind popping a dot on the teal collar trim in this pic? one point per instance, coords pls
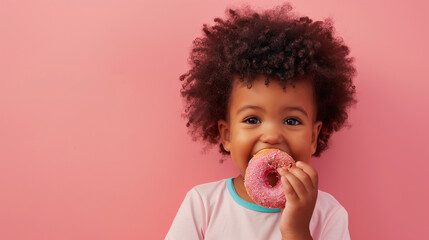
(244, 203)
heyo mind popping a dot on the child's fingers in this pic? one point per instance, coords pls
(292, 186)
(297, 184)
(311, 172)
(288, 190)
(303, 177)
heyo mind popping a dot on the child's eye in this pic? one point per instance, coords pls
(292, 121)
(252, 120)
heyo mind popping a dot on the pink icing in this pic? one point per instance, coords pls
(263, 163)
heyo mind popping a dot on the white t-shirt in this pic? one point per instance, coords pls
(214, 211)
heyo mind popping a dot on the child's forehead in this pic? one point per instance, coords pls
(257, 92)
(269, 82)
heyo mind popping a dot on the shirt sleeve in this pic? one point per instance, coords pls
(189, 222)
(337, 227)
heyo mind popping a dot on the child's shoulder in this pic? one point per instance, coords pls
(210, 187)
(208, 194)
(327, 198)
(327, 204)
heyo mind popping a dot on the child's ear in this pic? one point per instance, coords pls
(224, 133)
(315, 135)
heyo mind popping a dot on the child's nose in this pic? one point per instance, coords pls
(272, 135)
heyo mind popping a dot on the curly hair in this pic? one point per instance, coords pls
(278, 45)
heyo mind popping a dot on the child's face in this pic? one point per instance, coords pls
(269, 117)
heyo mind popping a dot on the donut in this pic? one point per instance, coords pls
(263, 163)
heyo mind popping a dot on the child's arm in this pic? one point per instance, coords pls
(300, 185)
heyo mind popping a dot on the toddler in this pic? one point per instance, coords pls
(260, 81)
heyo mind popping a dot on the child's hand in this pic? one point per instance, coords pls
(300, 187)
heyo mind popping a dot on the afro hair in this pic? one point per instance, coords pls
(274, 43)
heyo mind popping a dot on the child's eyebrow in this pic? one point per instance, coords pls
(251, 107)
(285, 109)
(293, 108)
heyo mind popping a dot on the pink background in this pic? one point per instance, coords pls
(92, 145)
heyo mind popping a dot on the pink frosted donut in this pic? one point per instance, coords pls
(263, 163)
